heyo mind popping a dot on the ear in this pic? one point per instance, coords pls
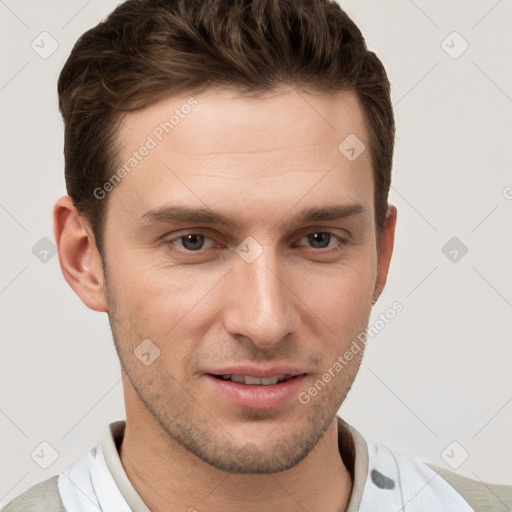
(387, 241)
(79, 258)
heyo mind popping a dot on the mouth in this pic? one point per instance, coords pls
(255, 381)
(268, 390)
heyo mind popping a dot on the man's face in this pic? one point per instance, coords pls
(287, 301)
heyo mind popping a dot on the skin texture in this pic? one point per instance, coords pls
(301, 302)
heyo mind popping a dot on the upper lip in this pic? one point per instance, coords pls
(259, 372)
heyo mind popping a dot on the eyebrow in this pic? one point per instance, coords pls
(175, 213)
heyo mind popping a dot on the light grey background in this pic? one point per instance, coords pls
(438, 373)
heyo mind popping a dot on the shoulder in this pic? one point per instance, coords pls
(480, 495)
(42, 497)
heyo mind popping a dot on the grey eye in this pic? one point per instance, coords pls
(319, 240)
(193, 241)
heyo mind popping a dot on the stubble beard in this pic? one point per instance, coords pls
(187, 423)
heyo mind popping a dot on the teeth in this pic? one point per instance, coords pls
(269, 381)
(255, 381)
(250, 380)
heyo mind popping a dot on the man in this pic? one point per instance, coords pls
(228, 166)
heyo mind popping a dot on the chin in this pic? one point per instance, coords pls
(250, 448)
(251, 460)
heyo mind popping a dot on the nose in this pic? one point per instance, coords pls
(260, 302)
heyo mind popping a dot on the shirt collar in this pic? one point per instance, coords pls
(110, 445)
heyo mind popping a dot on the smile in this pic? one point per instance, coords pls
(263, 392)
(255, 381)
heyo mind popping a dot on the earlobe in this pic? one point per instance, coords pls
(385, 252)
(79, 258)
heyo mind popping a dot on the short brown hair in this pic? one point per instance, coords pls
(148, 49)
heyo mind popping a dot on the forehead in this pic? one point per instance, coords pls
(220, 146)
(223, 120)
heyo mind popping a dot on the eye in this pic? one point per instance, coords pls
(191, 241)
(322, 239)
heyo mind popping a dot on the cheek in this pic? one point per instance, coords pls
(341, 293)
(155, 301)
(341, 308)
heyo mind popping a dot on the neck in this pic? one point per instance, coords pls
(167, 476)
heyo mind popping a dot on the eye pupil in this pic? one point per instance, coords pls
(193, 241)
(319, 238)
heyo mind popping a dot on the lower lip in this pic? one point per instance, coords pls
(258, 397)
